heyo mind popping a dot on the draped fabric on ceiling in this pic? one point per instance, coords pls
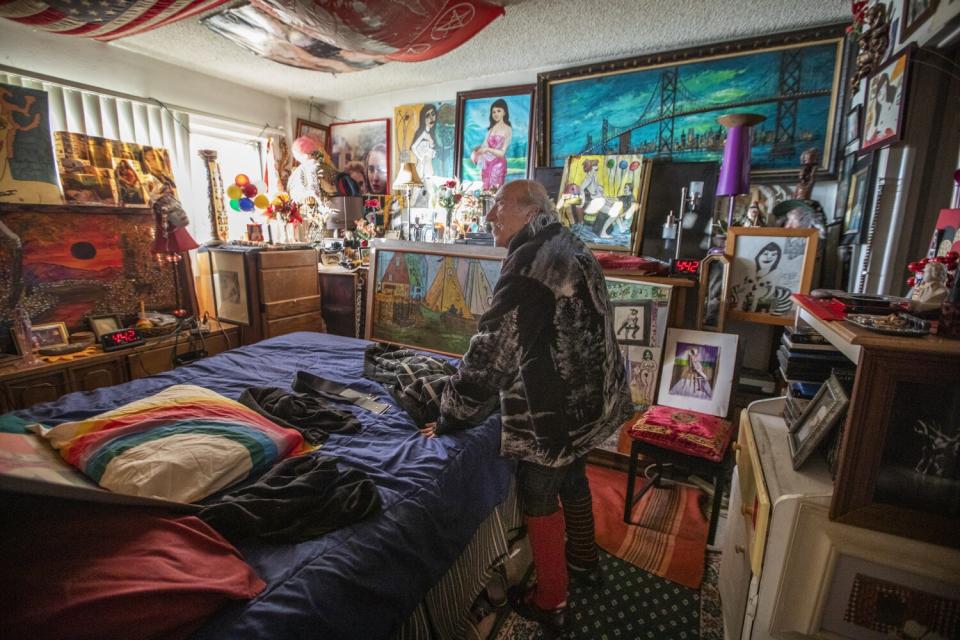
(106, 116)
(102, 19)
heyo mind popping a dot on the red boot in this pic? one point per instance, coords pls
(547, 602)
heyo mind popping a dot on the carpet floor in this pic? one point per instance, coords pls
(632, 605)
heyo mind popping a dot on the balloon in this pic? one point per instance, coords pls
(246, 204)
(234, 192)
(241, 180)
(261, 201)
(610, 163)
(235, 204)
(623, 165)
(249, 189)
(634, 165)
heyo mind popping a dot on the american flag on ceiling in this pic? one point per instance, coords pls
(102, 19)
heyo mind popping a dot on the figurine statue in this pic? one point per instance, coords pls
(872, 43)
(755, 216)
(929, 294)
(809, 161)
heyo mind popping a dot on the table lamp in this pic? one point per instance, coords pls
(735, 167)
(407, 179)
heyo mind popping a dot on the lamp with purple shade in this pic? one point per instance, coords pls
(735, 167)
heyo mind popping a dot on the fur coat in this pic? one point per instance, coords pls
(546, 350)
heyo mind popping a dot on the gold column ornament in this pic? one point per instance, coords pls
(219, 224)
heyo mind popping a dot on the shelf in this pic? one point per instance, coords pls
(676, 281)
(12, 207)
(851, 339)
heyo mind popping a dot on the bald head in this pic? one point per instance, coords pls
(517, 204)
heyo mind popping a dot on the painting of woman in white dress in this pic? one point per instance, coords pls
(693, 370)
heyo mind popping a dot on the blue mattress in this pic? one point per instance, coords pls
(364, 580)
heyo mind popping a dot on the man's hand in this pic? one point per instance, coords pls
(429, 431)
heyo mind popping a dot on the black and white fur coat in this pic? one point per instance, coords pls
(547, 350)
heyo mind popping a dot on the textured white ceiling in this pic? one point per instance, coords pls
(534, 34)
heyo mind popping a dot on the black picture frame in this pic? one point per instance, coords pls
(913, 21)
(835, 33)
(821, 415)
(852, 128)
(622, 314)
(103, 324)
(874, 100)
(859, 194)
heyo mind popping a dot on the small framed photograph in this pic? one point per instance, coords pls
(915, 13)
(52, 334)
(885, 104)
(818, 418)
(852, 131)
(319, 133)
(101, 325)
(631, 320)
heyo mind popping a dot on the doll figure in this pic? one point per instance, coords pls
(929, 294)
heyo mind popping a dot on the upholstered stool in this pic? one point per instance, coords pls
(696, 442)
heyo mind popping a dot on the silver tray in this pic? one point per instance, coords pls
(913, 327)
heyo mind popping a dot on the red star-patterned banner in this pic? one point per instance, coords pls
(102, 19)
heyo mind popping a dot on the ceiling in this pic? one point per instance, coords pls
(534, 34)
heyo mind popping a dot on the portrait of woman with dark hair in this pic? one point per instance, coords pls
(424, 146)
(763, 290)
(491, 156)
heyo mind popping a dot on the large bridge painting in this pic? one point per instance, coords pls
(670, 110)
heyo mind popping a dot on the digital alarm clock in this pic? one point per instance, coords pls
(121, 339)
(689, 266)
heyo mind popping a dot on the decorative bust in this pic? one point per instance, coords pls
(929, 294)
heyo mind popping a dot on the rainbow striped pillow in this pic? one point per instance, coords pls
(182, 444)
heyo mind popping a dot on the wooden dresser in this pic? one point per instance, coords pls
(21, 387)
(282, 292)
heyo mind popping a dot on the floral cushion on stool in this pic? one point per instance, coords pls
(689, 432)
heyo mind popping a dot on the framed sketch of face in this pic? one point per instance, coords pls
(767, 266)
(714, 280)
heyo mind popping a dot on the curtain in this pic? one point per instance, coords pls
(96, 114)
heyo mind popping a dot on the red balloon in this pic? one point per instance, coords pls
(241, 180)
(953, 255)
(914, 266)
(911, 282)
(249, 189)
(634, 165)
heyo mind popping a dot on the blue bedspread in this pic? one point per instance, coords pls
(364, 580)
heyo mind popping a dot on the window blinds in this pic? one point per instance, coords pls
(128, 120)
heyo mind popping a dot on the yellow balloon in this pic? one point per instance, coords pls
(261, 201)
(234, 192)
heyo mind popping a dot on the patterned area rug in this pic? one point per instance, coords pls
(711, 616)
(671, 537)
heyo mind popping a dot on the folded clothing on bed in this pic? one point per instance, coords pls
(299, 499)
(308, 413)
(182, 444)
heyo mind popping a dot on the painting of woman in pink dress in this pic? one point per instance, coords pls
(491, 156)
(493, 136)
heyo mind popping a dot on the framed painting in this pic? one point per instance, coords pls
(767, 266)
(915, 13)
(641, 347)
(714, 281)
(698, 371)
(319, 133)
(665, 105)
(494, 143)
(424, 134)
(429, 296)
(602, 199)
(886, 102)
(52, 334)
(230, 286)
(362, 148)
(856, 210)
(28, 172)
(899, 468)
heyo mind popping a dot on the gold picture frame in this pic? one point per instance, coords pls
(767, 266)
(51, 334)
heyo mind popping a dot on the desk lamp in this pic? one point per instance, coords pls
(407, 180)
(735, 167)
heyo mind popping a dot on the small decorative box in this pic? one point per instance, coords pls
(689, 432)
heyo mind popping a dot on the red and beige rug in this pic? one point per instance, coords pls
(670, 540)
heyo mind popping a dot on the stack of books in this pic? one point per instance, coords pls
(806, 356)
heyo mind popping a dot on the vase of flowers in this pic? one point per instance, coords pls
(448, 198)
(286, 212)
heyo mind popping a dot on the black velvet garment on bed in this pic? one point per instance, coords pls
(299, 499)
(416, 381)
(310, 413)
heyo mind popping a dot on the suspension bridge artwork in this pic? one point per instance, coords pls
(430, 301)
(670, 111)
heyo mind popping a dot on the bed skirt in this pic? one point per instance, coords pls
(444, 613)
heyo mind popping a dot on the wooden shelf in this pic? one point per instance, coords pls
(851, 339)
(12, 207)
(676, 281)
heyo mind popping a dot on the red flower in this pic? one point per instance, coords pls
(458, 197)
(372, 202)
(450, 184)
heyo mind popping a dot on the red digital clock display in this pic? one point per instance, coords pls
(686, 266)
(120, 339)
(125, 336)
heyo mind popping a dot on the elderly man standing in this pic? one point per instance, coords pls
(546, 350)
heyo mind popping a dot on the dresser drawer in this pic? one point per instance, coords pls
(285, 284)
(284, 259)
(754, 497)
(94, 376)
(294, 307)
(25, 392)
(304, 322)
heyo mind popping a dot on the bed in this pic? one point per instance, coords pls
(411, 570)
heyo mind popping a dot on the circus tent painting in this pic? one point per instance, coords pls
(430, 301)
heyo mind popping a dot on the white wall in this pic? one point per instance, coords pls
(101, 65)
